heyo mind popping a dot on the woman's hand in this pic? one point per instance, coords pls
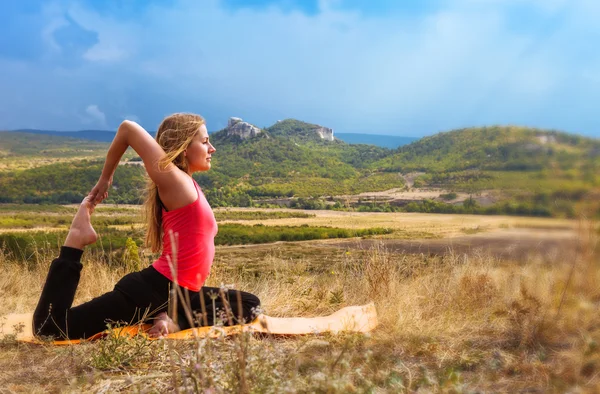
(100, 191)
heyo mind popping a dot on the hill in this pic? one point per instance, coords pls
(495, 149)
(301, 131)
(276, 163)
(291, 159)
(20, 151)
(531, 170)
(16, 144)
(63, 183)
(511, 170)
(383, 141)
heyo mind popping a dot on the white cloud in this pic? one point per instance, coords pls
(55, 20)
(116, 39)
(338, 65)
(95, 117)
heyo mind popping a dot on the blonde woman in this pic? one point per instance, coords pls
(175, 204)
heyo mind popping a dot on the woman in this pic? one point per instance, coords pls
(177, 210)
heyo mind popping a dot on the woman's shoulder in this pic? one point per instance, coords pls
(180, 193)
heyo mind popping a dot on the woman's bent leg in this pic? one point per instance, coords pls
(49, 318)
(57, 296)
(53, 315)
(92, 317)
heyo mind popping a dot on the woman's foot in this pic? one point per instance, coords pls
(163, 326)
(81, 232)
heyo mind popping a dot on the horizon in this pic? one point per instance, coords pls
(384, 68)
(334, 132)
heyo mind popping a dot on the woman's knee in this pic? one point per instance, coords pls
(251, 306)
(248, 300)
(253, 300)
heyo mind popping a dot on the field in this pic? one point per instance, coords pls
(466, 304)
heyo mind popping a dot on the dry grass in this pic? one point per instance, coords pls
(452, 323)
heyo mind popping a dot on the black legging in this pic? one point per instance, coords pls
(138, 295)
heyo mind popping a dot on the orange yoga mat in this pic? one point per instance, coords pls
(350, 319)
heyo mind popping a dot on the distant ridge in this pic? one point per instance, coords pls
(384, 141)
(92, 135)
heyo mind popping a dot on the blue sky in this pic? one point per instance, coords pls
(409, 68)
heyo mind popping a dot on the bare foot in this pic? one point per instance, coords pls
(81, 232)
(163, 325)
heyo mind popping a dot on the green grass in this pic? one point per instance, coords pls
(23, 220)
(27, 208)
(236, 234)
(31, 216)
(112, 242)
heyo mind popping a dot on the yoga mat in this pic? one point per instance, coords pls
(348, 319)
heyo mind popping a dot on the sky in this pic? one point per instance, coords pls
(405, 68)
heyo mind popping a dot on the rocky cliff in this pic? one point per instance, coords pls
(325, 133)
(244, 130)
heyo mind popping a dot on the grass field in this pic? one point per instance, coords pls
(462, 320)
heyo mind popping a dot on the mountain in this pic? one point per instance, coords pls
(293, 158)
(495, 149)
(527, 171)
(544, 171)
(287, 159)
(305, 130)
(300, 131)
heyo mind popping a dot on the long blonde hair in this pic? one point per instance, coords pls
(174, 135)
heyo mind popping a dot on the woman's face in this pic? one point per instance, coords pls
(198, 153)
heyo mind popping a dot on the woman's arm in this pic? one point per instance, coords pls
(132, 134)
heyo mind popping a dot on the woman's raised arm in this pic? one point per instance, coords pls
(132, 134)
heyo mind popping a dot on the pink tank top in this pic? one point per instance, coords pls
(196, 225)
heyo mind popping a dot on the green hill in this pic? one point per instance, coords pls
(495, 149)
(279, 163)
(290, 159)
(526, 171)
(297, 130)
(62, 183)
(537, 170)
(19, 144)
(500, 158)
